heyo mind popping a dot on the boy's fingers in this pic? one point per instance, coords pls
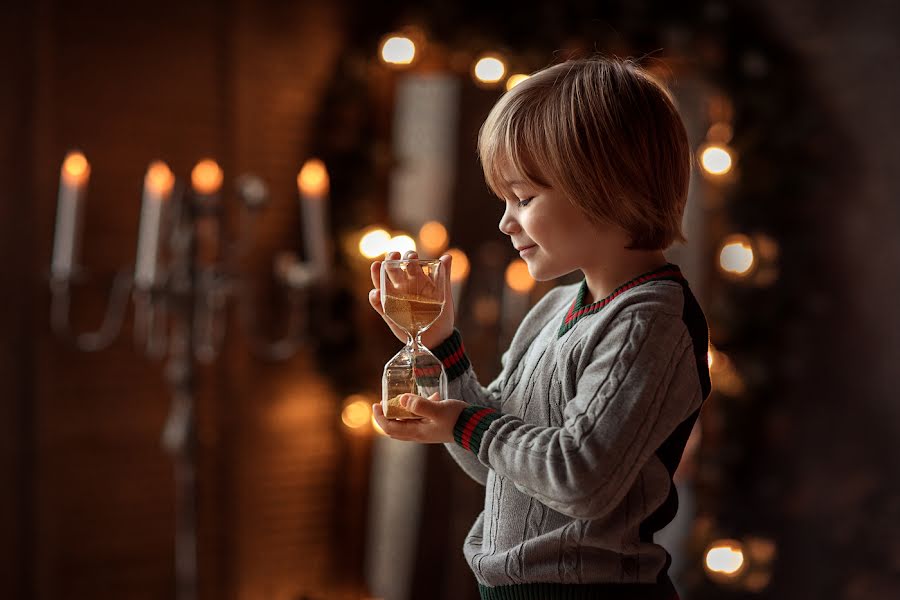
(396, 276)
(375, 272)
(375, 301)
(420, 406)
(446, 264)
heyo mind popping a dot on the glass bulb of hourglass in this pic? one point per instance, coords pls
(412, 296)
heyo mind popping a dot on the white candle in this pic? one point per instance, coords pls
(206, 181)
(312, 183)
(158, 183)
(516, 295)
(73, 179)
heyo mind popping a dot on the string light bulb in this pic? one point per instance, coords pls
(724, 560)
(489, 69)
(433, 238)
(374, 242)
(459, 269)
(401, 243)
(356, 412)
(716, 159)
(398, 50)
(515, 80)
(518, 278)
(736, 256)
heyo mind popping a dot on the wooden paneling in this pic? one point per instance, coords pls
(92, 511)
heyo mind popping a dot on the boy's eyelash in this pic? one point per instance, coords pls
(525, 200)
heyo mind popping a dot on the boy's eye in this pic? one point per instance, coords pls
(525, 201)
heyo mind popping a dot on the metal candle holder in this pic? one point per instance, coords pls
(191, 296)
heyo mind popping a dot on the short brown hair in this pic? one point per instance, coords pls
(606, 134)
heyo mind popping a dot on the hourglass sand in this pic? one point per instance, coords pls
(412, 296)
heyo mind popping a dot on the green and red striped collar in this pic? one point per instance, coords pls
(577, 310)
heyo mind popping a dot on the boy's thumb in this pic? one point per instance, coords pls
(427, 407)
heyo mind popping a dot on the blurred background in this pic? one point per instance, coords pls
(174, 428)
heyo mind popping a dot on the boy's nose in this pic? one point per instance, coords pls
(508, 225)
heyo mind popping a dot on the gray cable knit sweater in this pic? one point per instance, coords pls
(578, 438)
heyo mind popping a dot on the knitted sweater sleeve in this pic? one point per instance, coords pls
(462, 383)
(634, 388)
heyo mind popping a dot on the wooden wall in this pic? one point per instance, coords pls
(87, 506)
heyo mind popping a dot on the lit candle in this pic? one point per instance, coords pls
(519, 284)
(312, 182)
(73, 179)
(459, 273)
(158, 183)
(206, 181)
(206, 178)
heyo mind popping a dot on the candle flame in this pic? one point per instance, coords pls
(518, 278)
(313, 178)
(159, 178)
(206, 177)
(75, 168)
(459, 268)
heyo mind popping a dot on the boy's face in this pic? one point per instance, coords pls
(559, 238)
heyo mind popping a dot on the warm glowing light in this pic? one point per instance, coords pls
(736, 256)
(402, 244)
(75, 168)
(206, 178)
(489, 69)
(515, 80)
(725, 558)
(357, 411)
(159, 178)
(518, 278)
(459, 265)
(398, 50)
(720, 133)
(313, 178)
(486, 310)
(374, 243)
(716, 160)
(433, 237)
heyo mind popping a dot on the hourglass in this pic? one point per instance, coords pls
(412, 296)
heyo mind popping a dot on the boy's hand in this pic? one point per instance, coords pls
(436, 427)
(442, 328)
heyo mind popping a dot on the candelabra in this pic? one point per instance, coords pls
(181, 284)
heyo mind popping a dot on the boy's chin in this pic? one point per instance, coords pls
(538, 273)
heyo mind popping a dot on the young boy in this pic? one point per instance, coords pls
(578, 438)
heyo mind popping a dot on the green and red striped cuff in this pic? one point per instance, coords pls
(473, 421)
(452, 354)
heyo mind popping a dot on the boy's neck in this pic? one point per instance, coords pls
(603, 279)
